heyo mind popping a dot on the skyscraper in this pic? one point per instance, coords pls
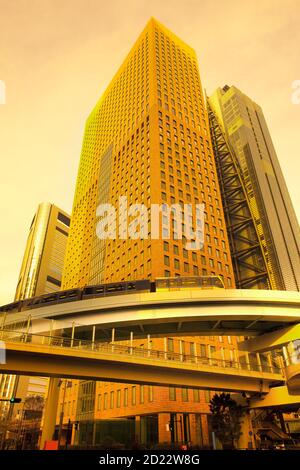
(40, 273)
(147, 139)
(42, 265)
(246, 131)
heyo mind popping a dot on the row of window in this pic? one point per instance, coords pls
(188, 394)
(118, 398)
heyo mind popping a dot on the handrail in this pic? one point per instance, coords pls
(130, 350)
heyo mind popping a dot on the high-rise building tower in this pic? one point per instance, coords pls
(43, 260)
(40, 273)
(247, 134)
(148, 139)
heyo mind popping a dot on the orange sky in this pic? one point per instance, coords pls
(57, 57)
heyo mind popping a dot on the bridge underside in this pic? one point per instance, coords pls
(229, 312)
(43, 360)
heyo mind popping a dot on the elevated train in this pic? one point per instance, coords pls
(115, 288)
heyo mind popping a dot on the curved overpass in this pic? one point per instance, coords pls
(213, 312)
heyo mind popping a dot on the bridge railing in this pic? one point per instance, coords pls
(112, 348)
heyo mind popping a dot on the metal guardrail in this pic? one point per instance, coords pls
(133, 351)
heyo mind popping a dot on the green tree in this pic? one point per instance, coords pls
(226, 419)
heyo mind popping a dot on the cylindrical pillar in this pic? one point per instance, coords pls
(246, 440)
(50, 412)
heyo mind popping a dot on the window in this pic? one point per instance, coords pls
(142, 390)
(170, 345)
(212, 350)
(64, 219)
(98, 404)
(150, 393)
(176, 264)
(105, 401)
(126, 397)
(133, 397)
(112, 399)
(118, 398)
(196, 394)
(185, 394)
(172, 393)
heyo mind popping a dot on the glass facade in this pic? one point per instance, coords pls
(246, 130)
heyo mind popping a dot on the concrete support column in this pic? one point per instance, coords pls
(246, 440)
(50, 411)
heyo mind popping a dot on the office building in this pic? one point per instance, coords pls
(247, 134)
(147, 139)
(41, 273)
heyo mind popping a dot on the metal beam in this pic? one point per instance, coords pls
(249, 262)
